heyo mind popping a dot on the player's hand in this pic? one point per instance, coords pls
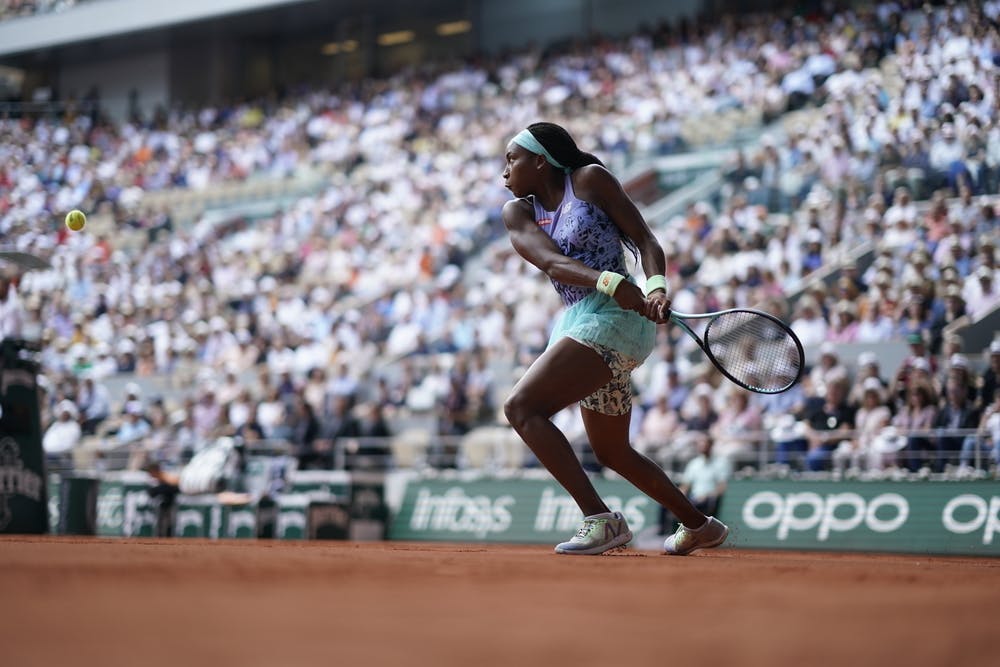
(657, 307)
(629, 297)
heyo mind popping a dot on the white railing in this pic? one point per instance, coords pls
(895, 453)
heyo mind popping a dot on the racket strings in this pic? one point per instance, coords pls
(755, 350)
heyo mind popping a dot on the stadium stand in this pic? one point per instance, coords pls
(278, 269)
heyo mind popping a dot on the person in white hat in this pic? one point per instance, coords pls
(981, 292)
(867, 367)
(63, 434)
(828, 365)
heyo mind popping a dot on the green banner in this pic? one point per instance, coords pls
(54, 490)
(518, 510)
(331, 482)
(903, 517)
(124, 507)
(204, 516)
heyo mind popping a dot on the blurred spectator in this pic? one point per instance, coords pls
(698, 414)
(868, 367)
(828, 418)
(304, 436)
(982, 292)
(370, 449)
(271, 415)
(207, 414)
(185, 440)
(983, 449)
(134, 426)
(95, 404)
(315, 389)
(659, 424)
(156, 445)
(989, 380)
(250, 431)
(703, 481)
(808, 323)
(339, 425)
(919, 414)
(12, 314)
(917, 319)
(876, 324)
(958, 412)
(454, 415)
(62, 435)
(871, 417)
(829, 365)
(844, 328)
(735, 432)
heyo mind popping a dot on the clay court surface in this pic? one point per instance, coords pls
(88, 601)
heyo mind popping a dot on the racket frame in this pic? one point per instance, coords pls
(678, 319)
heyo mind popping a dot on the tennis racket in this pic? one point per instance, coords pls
(755, 350)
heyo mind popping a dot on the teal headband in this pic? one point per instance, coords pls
(526, 140)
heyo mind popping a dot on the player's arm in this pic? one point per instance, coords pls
(602, 188)
(539, 249)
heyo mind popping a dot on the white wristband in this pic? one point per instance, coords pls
(608, 282)
(657, 282)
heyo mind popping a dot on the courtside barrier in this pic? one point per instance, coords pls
(124, 508)
(205, 516)
(312, 516)
(316, 505)
(925, 517)
(78, 505)
(506, 510)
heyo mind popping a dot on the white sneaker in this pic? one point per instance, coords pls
(597, 534)
(685, 540)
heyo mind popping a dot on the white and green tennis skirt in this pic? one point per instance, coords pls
(598, 320)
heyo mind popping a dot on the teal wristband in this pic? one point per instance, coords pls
(608, 282)
(655, 283)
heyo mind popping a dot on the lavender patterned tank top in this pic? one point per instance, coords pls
(584, 232)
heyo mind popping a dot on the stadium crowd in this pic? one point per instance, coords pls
(384, 294)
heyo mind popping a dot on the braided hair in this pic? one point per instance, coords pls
(561, 146)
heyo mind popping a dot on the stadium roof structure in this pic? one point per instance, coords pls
(109, 18)
(209, 51)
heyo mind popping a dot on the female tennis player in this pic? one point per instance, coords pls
(570, 218)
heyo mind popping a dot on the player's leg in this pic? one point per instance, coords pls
(561, 376)
(608, 434)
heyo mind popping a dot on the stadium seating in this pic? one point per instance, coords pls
(377, 247)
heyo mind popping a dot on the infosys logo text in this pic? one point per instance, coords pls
(455, 511)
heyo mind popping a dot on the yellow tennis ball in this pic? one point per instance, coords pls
(75, 220)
